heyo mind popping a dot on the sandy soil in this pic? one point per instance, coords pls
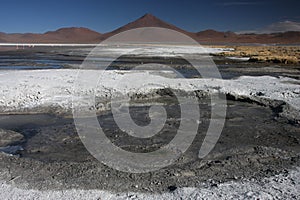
(270, 54)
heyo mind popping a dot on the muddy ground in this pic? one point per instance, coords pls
(256, 141)
(254, 144)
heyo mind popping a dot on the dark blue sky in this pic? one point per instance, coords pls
(105, 15)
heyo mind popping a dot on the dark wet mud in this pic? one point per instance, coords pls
(254, 144)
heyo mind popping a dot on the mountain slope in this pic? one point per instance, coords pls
(148, 20)
(84, 35)
(63, 35)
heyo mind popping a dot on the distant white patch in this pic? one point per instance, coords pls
(238, 58)
(278, 27)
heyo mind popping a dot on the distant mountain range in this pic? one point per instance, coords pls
(84, 35)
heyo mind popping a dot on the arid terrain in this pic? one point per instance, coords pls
(256, 156)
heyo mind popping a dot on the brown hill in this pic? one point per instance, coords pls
(215, 37)
(212, 36)
(79, 35)
(84, 35)
(2, 37)
(63, 35)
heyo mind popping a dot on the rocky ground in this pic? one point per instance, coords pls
(283, 186)
(256, 157)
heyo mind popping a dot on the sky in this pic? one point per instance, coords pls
(39, 16)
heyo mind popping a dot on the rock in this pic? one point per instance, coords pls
(172, 188)
(260, 94)
(11, 150)
(8, 138)
(214, 185)
(188, 174)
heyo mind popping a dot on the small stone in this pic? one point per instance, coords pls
(188, 174)
(260, 94)
(172, 188)
(8, 138)
(214, 185)
(250, 194)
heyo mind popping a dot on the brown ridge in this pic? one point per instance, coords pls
(84, 35)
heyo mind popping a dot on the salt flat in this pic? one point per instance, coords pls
(29, 90)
